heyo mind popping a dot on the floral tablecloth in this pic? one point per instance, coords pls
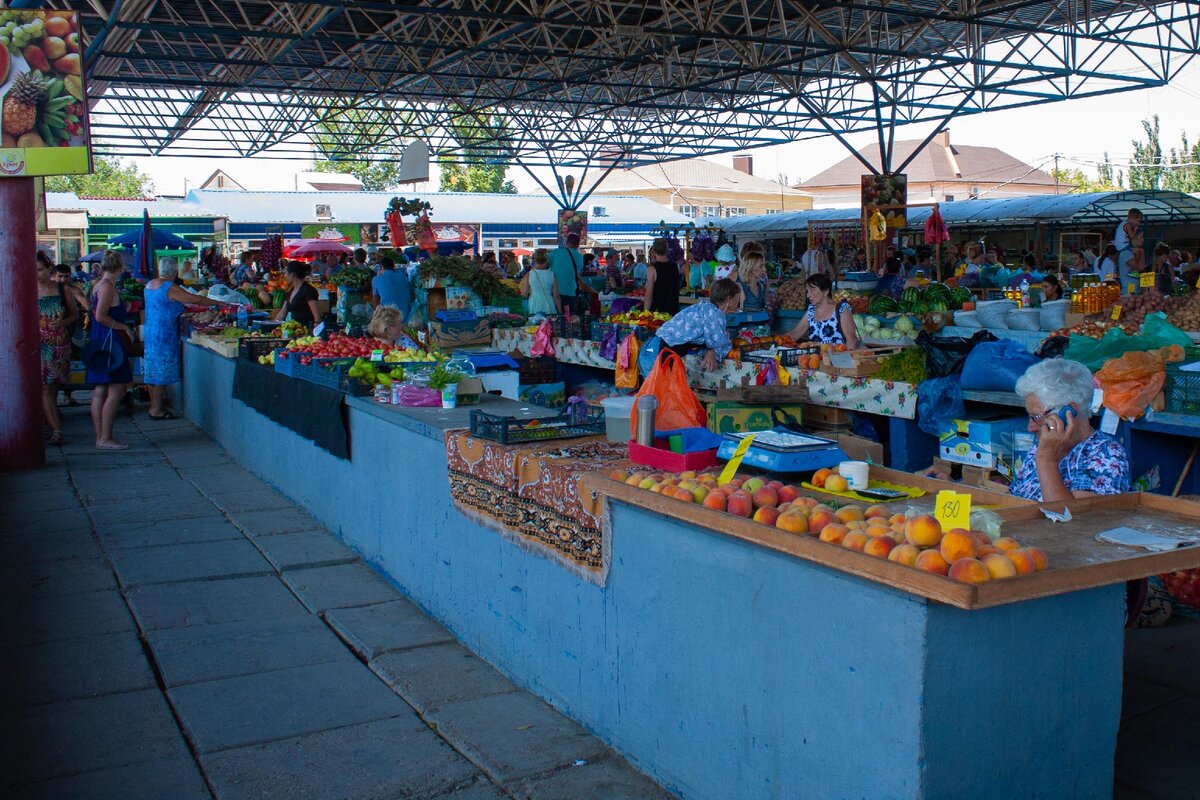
(530, 493)
(871, 396)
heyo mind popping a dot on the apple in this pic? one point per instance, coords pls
(73, 42)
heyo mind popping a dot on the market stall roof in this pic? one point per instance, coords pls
(576, 82)
(1095, 208)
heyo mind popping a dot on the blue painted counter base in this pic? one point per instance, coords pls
(723, 669)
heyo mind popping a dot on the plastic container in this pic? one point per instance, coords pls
(660, 458)
(1054, 314)
(994, 313)
(450, 396)
(856, 473)
(617, 411)
(1025, 319)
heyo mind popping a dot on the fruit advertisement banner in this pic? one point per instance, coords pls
(886, 190)
(44, 128)
(571, 221)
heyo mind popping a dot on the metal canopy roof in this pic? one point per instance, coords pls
(1096, 208)
(572, 82)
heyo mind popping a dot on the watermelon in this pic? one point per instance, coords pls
(278, 298)
(937, 291)
(882, 304)
(910, 295)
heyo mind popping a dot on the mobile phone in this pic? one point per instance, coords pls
(1064, 412)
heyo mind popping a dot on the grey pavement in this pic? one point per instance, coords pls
(172, 626)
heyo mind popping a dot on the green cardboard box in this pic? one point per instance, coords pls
(726, 417)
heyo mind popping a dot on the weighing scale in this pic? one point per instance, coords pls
(783, 450)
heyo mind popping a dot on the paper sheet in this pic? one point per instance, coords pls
(1147, 541)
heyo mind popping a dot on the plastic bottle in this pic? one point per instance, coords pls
(1024, 293)
(243, 317)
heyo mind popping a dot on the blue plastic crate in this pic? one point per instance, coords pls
(456, 315)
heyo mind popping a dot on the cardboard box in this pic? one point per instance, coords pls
(469, 390)
(505, 381)
(826, 417)
(860, 448)
(448, 335)
(985, 442)
(459, 298)
(728, 417)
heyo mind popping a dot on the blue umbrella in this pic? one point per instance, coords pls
(143, 257)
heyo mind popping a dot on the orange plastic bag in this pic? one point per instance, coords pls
(1131, 381)
(678, 406)
(627, 363)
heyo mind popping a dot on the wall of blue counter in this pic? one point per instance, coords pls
(722, 669)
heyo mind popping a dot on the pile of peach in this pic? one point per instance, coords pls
(917, 541)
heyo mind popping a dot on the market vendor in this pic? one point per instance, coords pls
(301, 303)
(1051, 289)
(387, 325)
(752, 279)
(700, 325)
(827, 321)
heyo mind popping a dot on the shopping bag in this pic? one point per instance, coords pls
(1131, 381)
(627, 363)
(543, 341)
(996, 366)
(678, 406)
(609, 344)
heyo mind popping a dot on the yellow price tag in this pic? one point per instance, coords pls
(732, 467)
(1146, 280)
(1116, 315)
(953, 509)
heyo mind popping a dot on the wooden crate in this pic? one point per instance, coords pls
(793, 393)
(1077, 560)
(862, 363)
(826, 418)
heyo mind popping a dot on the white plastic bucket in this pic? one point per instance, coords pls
(856, 473)
(617, 411)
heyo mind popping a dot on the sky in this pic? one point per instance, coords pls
(1079, 131)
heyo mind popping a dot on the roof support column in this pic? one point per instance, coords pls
(21, 444)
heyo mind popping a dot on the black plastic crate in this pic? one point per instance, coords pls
(251, 347)
(537, 369)
(1181, 392)
(788, 356)
(589, 421)
(578, 326)
(600, 329)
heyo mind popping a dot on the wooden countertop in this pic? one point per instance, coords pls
(1077, 560)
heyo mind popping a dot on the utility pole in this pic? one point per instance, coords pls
(1056, 173)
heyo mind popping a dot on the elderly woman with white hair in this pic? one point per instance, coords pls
(1070, 459)
(164, 304)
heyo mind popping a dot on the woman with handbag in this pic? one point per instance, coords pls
(56, 314)
(107, 352)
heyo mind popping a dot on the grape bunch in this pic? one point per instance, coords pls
(20, 29)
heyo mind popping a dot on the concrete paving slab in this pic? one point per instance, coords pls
(51, 546)
(374, 630)
(228, 649)
(392, 758)
(255, 709)
(14, 484)
(1168, 655)
(339, 586)
(252, 500)
(146, 781)
(306, 549)
(23, 521)
(1140, 696)
(513, 736)
(176, 531)
(480, 789)
(1156, 752)
(225, 481)
(97, 732)
(172, 489)
(48, 500)
(200, 456)
(89, 666)
(149, 511)
(427, 677)
(610, 777)
(60, 617)
(97, 481)
(275, 521)
(188, 562)
(177, 605)
(140, 455)
(57, 577)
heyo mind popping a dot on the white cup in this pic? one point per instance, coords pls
(856, 474)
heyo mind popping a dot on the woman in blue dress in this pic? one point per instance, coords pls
(164, 305)
(110, 331)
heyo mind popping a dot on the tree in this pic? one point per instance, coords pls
(1146, 170)
(110, 177)
(359, 142)
(476, 169)
(1077, 182)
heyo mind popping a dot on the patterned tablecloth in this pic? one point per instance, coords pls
(871, 396)
(530, 493)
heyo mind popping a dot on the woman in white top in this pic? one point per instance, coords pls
(1106, 264)
(540, 286)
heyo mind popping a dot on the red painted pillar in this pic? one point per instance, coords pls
(21, 444)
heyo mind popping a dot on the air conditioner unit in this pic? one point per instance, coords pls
(599, 211)
(323, 211)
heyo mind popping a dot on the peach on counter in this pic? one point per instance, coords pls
(923, 531)
(1023, 560)
(855, 540)
(836, 483)
(767, 515)
(792, 522)
(957, 544)
(969, 570)
(931, 561)
(833, 532)
(880, 546)
(905, 554)
(999, 566)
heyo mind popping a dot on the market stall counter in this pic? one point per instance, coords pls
(726, 658)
